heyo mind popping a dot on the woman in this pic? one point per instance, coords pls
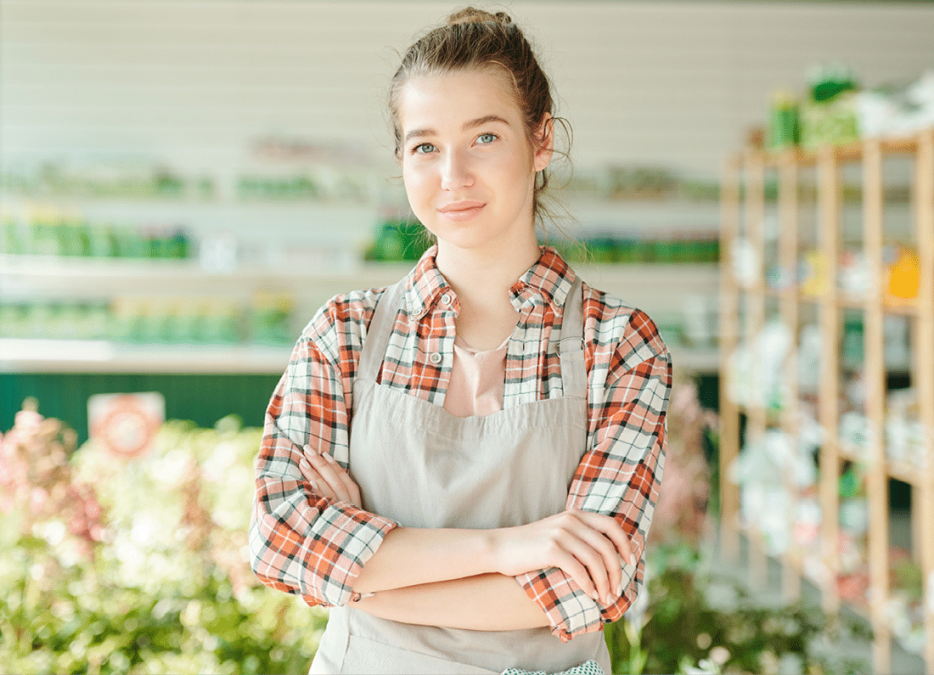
(464, 466)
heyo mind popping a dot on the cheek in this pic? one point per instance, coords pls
(417, 179)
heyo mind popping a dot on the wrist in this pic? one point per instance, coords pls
(491, 551)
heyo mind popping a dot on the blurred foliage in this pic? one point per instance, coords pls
(683, 625)
(688, 620)
(114, 564)
(150, 574)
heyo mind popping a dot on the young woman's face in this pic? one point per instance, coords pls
(467, 164)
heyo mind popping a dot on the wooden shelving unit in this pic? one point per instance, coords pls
(763, 230)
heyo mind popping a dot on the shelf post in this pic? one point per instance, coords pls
(755, 322)
(924, 224)
(729, 340)
(875, 382)
(829, 198)
(788, 255)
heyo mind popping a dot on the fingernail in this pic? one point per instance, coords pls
(595, 596)
(619, 590)
(314, 485)
(632, 558)
(327, 457)
(608, 600)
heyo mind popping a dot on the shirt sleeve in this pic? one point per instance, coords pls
(302, 543)
(619, 475)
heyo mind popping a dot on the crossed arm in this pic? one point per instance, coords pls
(314, 540)
(451, 577)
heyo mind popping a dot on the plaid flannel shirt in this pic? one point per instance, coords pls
(306, 544)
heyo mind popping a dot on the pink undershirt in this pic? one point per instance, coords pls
(476, 386)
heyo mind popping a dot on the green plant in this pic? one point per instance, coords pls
(137, 565)
(681, 626)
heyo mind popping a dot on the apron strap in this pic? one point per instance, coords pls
(571, 344)
(379, 331)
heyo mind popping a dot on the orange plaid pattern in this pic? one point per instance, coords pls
(305, 544)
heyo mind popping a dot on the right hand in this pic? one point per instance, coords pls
(588, 547)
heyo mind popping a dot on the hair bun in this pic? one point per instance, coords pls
(474, 15)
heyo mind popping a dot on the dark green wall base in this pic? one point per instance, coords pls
(203, 399)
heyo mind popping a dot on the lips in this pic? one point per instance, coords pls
(462, 210)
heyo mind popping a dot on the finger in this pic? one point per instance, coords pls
(347, 485)
(610, 527)
(574, 569)
(624, 548)
(612, 562)
(592, 561)
(329, 474)
(352, 489)
(318, 486)
(308, 471)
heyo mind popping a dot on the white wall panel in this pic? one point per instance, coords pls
(193, 83)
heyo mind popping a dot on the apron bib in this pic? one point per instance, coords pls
(423, 467)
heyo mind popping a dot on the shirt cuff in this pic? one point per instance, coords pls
(570, 611)
(344, 538)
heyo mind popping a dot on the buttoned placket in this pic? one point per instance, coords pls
(519, 387)
(443, 356)
(526, 341)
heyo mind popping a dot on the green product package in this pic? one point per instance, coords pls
(398, 241)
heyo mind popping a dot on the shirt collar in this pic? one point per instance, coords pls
(548, 280)
(424, 285)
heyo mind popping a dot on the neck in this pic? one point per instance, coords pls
(482, 281)
(485, 276)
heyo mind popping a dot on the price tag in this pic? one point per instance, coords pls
(126, 424)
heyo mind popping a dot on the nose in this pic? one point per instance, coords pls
(456, 171)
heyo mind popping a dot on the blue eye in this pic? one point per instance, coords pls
(487, 138)
(423, 149)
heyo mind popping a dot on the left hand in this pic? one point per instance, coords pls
(328, 478)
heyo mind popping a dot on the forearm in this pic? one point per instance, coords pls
(489, 602)
(412, 556)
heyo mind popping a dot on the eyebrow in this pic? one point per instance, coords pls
(480, 121)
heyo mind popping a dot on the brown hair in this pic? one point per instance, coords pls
(472, 39)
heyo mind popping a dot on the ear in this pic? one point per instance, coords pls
(545, 143)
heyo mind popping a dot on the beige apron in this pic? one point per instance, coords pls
(423, 467)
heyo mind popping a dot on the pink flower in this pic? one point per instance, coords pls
(28, 421)
(681, 510)
(35, 476)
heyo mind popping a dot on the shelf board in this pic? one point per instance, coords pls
(773, 418)
(849, 152)
(852, 452)
(905, 472)
(795, 559)
(36, 266)
(81, 268)
(899, 470)
(908, 308)
(661, 290)
(903, 308)
(104, 356)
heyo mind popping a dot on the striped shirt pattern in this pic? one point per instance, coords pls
(309, 545)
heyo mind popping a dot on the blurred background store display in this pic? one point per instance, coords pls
(182, 185)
